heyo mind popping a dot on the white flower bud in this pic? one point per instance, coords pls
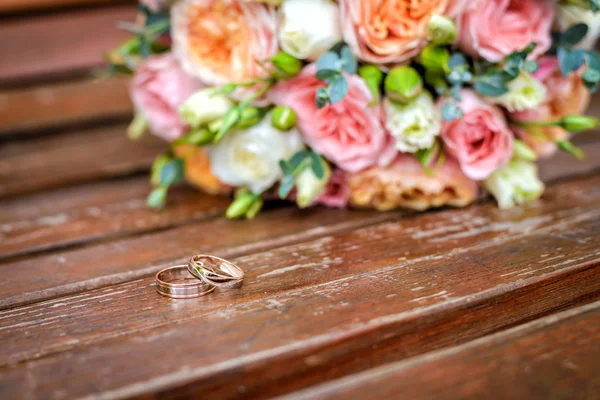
(251, 157)
(309, 27)
(524, 93)
(414, 125)
(309, 187)
(516, 183)
(203, 107)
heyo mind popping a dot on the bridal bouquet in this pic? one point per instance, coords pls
(361, 103)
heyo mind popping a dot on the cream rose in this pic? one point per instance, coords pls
(414, 125)
(203, 107)
(309, 27)
(516, 183)
(219, 41)
(251, 157)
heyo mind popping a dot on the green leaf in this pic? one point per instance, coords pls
(297, 159)
(570, 60)
(337, 89)
(491, 84)
(349, 63)
(530, 66)
(322, 98)
(456, 59)
(451, 111)
(329, 60)
(573, 35)
(231, 118)
(568, 147)
(592, 60)
(317, 165)
(286, 168)
(591, 78)
(326, 75)
(171, 172)
(285, 187)
(157, 198)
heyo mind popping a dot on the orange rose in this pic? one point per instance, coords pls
(390, 31)
(219, 41)
(198, 172)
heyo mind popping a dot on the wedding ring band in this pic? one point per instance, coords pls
(177, 283)
(216, 271)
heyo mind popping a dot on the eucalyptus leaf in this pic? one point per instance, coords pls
(337, 89)
(317, 165)
(573, 35)
(456, 59)
(349, 63)
(591, 78)
(286, 168)
(327, 75)
(592, 60)
(171, 172)
(451, 111)
(570, 60)
(297, 159)
(285, 187)
(530, 66)
(322, 97)
(329, 60)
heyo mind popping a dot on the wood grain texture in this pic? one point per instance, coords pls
(317, 310)
(49, 106)
(73, 157)
(557, 357)
(58, 43)
(15, 6)
(95, 211)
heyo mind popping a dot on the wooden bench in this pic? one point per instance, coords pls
(471, 303)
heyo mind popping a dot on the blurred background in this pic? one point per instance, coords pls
(58, 125)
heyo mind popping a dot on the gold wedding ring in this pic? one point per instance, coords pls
(177, 283)
(216, 271)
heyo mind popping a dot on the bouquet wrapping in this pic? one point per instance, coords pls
(360, 103)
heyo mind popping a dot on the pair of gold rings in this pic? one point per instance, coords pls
(199, 277)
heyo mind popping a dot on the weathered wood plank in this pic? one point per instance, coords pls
(126, 259)
(62, 103)
(14, 6)
(37, 164)
(58, 43)
(317, 310)
(95, 211)
(555, 357)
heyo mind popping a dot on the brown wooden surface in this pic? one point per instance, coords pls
(56, 104)
(15, 6)
(336, 304)
(552, 358)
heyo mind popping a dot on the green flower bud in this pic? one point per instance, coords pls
(403, 84)
(309, 187)
(435, 58)
(288, 65)
(441, 29)
(523, 152)
(577, 123)
(137, 127)
(250, 117)
(157, 165)
(254, 208)
(373, 78)
(240, 206)
(283, 118)
(197, 137)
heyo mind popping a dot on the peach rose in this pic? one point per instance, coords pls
(350, 133)
(158, 88)
(565, 96)
(404, 183)
(493, 29)
(390, 31)
(197, 170)
(219, 41)
(481, 140)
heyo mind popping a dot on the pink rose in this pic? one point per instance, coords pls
(565, 96)
(493, 29)
(158, 88)
(481, 140)
(219, 41)
(392, 32)
(404, 183)
(350, 133)
(336, 192)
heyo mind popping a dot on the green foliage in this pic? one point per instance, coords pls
(245, 204)
(373, 77)
(166, 171)
(571, 59)
(428, 156)
(451, 111)
(297, 163)
(330, 69)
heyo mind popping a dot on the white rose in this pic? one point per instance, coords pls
(414, 125)
(203, 107)
(251, 157)
(310, 27)
(524, 93)
(515, 183)
(568, 15)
